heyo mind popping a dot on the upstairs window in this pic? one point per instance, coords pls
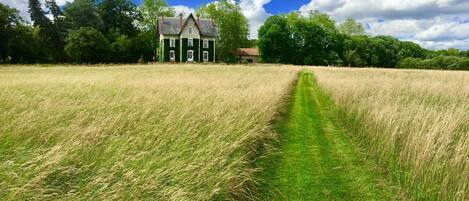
(190, 42)
(190, 30)
(172, 42)
(205, 43)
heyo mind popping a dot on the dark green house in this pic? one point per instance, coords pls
(186, 39)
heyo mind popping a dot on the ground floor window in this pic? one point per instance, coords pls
(172, 55)
(205, 56)
(190, 55)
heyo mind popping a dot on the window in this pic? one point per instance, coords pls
(205, 43)
(172, 42)
(172, 55)
(190, 30)
(205, 56)
(190, 55)
(190, 42)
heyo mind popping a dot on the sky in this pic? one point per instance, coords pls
(434, 24)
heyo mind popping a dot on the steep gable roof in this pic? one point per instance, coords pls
(174, 26)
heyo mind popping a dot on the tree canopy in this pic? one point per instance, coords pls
(232, 27)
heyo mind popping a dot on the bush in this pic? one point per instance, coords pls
(87, 45)
(438, 62)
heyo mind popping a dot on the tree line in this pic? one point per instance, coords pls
(316, 39)
(111, 31)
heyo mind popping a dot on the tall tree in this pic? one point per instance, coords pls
(119, 15)
(274, 41)
(351, 27)
(38, 16)
(151, 10)
(83, 13)
(232, 27)
(9, 18)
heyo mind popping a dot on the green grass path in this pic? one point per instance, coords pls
(315, 159)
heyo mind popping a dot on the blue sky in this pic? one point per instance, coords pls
(274, 7)
(434, 24)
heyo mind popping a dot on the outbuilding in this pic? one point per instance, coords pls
(247, 55)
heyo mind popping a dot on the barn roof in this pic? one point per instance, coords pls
(174, 25)
(247, 52)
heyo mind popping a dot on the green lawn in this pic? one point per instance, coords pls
(315, 160)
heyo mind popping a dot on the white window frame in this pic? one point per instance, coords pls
(191, 53)
(172, 42)
(205, 45)
(190, 42)
(205, 56)
(173, 56)
(191, 30)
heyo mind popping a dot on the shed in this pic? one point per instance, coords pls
(248, 55)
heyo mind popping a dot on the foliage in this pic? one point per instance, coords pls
(120, 15)
(87, 45)
(232, 27)
(351, 27)
(439, 62)
(9, 19)
(150, 11)
(83, 13)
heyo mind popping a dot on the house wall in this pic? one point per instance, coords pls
(210, 49)
(185, 48)
(195, 31)
(165, 48)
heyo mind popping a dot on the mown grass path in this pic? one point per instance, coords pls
(315, 159)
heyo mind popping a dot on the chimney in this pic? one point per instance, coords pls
(180, 21)
(198, 19)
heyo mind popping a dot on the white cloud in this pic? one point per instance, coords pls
(255, 13)
(434, 24)
(183, 10)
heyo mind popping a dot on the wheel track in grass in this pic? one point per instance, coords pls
(315, 159)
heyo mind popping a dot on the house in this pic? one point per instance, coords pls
(247, 55)
(187, 39)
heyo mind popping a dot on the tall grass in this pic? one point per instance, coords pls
(415, 122)
(159, 133)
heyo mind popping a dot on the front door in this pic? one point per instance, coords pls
(190, 55)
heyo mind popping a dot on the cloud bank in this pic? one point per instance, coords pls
(434, 24)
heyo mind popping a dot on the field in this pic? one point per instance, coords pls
(164, 133)
(208, 132)
(415, 122)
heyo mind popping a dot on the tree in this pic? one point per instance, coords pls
(351, 58)
(83, 13)
(323, 20)
(38, 16)
(232, 27)
(351, 27)
(410, 49)
(274, 41)
(151, 10)
(9, 19)
(119, 14)
(87, 45)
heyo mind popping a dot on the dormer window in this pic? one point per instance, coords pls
(190, 30)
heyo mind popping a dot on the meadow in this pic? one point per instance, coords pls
(134, 132)
(218, 132)
(414, 122)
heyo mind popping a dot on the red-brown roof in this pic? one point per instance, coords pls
(247, 52)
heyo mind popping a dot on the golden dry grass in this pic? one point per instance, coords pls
(133, 132)
(415, 122)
